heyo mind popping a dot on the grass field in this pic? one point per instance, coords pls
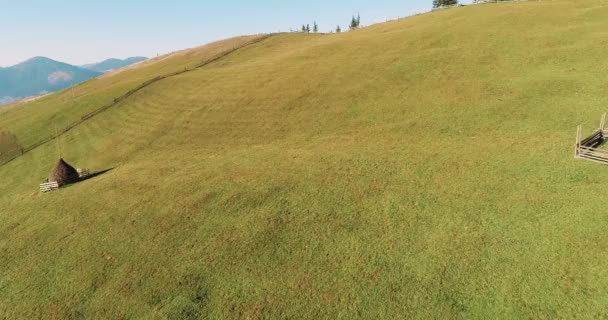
(421, 168)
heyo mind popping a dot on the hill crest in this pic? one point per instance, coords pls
(113, 64)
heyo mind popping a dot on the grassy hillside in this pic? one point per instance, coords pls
(421, 168)
(36, 121)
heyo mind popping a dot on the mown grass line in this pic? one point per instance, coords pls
(123, 97)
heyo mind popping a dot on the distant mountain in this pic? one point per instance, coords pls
(7, 100)
(113, 64)
(38, 76)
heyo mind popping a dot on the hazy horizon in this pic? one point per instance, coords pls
(82, 33)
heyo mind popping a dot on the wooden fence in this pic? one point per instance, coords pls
(587, 148)
(83, 173)
(447, 7)
(52, 186)
(49, 186)
(481, 2)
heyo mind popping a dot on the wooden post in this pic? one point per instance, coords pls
(58, 142)
(578, 141)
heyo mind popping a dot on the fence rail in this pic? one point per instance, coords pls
(49, 186)
(482, 2)
(587, 148)
(83, 173)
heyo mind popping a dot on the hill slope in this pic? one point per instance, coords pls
(426, 174)
(39, 76)
(113, 64)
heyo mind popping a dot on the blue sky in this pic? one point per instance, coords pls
(78, 32)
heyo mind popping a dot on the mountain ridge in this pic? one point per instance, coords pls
(113, 64)
(39, 75)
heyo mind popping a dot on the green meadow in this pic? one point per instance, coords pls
(415, 169)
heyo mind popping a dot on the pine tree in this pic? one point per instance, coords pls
(353, 23)
(338, 29)
(442, 3)
(315, 27)
(358, 20)
(307, 28)
(303, 28)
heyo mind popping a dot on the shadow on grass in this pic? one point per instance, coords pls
(96, 174)
(91, 176)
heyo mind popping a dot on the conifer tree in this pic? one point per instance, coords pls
(353, 23)
(307, 28)
(338, 29)
(303, 28)
(315, 27)
(442, 3)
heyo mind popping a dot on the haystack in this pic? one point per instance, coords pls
(63, 173)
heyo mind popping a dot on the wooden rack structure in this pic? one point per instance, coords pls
(587, 148)
(53, 186)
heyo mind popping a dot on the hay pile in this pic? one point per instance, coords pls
(63, 173)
